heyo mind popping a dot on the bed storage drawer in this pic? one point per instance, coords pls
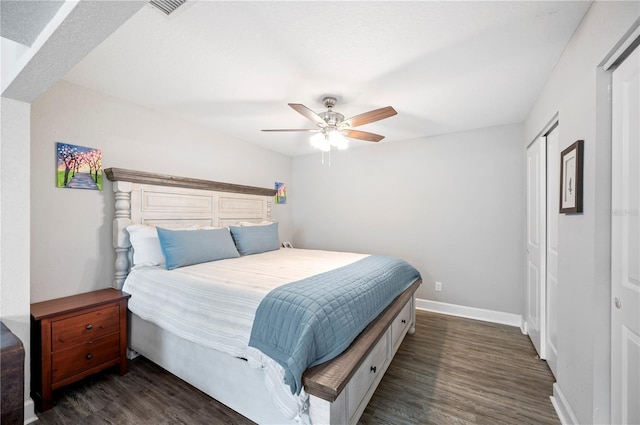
(400, 326)
(369, 372)
(78, 329)
(84, 358)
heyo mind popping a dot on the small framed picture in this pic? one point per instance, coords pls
(281, 193)
(571, 160)
(78, 167)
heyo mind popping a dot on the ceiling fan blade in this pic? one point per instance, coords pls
(371, 116)
(363, 135)
(308, 113)
(292, 129)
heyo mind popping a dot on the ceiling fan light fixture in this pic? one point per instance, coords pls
(337, 139)
(329, 138)
(319, 141)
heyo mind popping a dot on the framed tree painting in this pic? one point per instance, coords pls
(281, 193)
(78, 167)
(571, 164)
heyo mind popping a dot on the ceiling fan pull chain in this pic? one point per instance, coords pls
(328, 157)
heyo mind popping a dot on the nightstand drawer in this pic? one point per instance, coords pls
(78, 329)
(84, 357)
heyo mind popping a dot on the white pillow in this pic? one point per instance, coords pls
(251, 223)
(146, 245)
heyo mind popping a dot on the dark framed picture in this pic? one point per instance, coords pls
(571, 160)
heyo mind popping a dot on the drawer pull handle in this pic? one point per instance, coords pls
(89, 356)
(89, 327)
(373, 369)
(404, 321)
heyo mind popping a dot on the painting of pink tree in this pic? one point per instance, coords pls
(79, 167)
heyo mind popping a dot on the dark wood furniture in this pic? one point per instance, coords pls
(11, 378)
(74, 337)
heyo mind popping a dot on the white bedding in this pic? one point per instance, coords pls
(214, 303)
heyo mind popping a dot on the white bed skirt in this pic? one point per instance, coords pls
(227, 379)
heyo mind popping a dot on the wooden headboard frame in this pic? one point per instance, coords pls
(176, 202)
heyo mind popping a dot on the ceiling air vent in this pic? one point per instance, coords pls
(167, 6)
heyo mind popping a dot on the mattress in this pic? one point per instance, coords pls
(214, 304)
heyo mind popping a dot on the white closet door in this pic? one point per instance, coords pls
(536, 244)
(551, 284)
(625, 243)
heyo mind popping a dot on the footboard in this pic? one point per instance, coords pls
(340, 389)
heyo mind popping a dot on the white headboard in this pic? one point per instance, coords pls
(175, 202)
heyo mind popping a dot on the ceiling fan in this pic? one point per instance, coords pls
(332, 127)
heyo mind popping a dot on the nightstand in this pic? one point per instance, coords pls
(74, 337)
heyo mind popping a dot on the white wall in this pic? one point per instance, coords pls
(452, 205)
(14, 223)
(71, 249)
(575, 92)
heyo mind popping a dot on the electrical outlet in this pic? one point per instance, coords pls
(438, 286)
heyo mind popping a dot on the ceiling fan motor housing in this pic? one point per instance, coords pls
(332, 118)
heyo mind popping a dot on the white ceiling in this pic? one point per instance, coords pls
(234, 66)
(22, 21)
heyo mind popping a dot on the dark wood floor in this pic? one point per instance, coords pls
(451, 371)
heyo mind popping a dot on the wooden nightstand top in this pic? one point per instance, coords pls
(72, 303)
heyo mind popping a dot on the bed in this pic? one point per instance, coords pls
(333, 392)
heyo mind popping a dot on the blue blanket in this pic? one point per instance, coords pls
(311, 321)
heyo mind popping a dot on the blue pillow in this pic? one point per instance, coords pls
(255, 239)
(186, 247)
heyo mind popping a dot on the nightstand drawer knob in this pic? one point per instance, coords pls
(89, 356)
(404, 321)
(374, 369)
(89, 327)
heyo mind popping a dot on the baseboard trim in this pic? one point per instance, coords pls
(29, 412)
(470, 312)
(562, 407)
